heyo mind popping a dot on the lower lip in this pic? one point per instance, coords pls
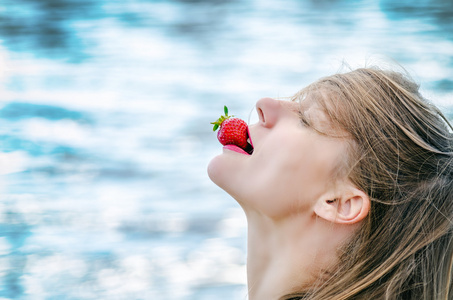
(235, 149)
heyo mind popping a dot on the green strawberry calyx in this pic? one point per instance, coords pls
(221, 119)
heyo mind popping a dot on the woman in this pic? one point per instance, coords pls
(348, 193)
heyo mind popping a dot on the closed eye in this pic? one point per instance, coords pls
(303, 119)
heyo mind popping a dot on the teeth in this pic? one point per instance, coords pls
(249, 143)
(249, 147)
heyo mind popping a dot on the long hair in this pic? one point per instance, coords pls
(401, 155)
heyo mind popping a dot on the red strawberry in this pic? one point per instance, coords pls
(233, 131)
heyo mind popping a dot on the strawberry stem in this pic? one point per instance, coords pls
(220, 120)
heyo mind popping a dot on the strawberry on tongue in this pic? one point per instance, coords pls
(233, 133)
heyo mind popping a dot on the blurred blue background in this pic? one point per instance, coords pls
(105, 108)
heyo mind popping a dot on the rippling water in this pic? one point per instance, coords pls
(104, 139)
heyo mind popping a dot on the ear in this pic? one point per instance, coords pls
(350, 207)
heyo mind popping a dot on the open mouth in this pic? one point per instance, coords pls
(248, 150)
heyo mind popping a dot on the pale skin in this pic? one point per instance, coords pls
(297, 214)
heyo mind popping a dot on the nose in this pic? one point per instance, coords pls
(268, 111)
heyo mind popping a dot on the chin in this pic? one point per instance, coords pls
(228, 170)
(216, 170)
(222, 171)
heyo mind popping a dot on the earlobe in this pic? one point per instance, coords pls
(351, 207)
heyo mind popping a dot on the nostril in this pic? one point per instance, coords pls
(268, 111)
(260, 114)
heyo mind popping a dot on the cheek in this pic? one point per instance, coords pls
(292, 179)
(280, 185)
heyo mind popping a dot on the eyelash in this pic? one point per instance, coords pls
(303, 120)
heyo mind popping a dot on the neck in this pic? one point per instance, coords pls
(284, 255)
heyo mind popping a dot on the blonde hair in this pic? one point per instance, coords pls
(401, 155)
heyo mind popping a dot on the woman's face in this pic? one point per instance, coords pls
(291, 165)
